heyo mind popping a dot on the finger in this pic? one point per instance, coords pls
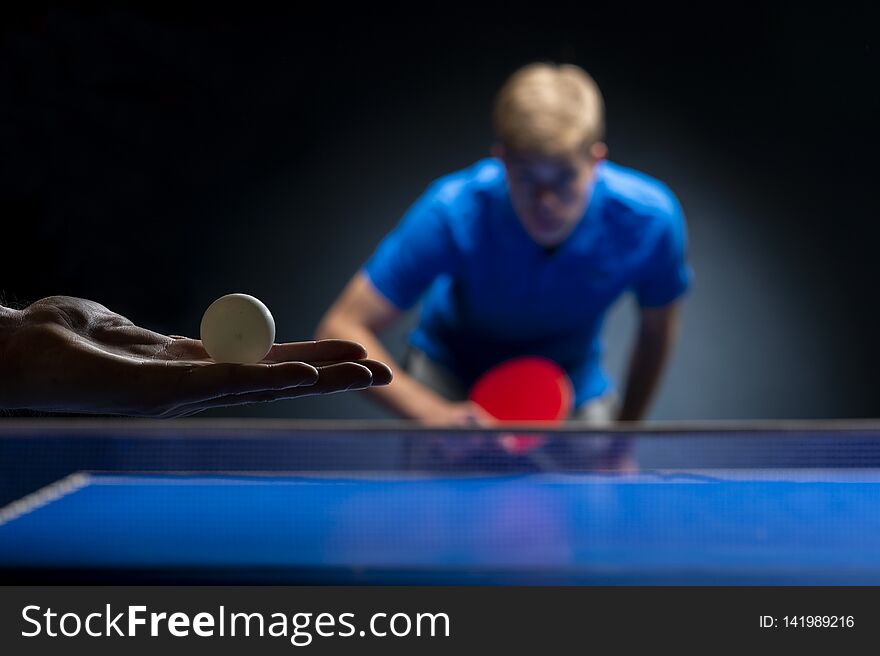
(189, 382)
(487, 421)
(382, 374)
(332, 378)
(479, 416)
(479, 410)
(324, 351)
(234, 400)
(184, 348)
(321, 351)
(480, 421)
(341, 377)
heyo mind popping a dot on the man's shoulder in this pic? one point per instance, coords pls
(468, 185)
(631, 193)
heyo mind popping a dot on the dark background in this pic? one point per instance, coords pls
(155, 160)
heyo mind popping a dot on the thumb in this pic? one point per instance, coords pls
(480, 416)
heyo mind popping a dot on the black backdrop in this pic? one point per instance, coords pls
(155, 159)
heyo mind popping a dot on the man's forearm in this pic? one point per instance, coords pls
(405, 396)
(648, 361)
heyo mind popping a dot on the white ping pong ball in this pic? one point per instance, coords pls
(237, 328)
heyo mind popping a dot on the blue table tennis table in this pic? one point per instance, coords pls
(758, 524)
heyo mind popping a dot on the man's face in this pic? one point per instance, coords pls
(549, 194)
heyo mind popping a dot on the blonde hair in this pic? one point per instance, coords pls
(549, 109)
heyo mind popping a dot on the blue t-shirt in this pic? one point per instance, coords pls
(491, 293)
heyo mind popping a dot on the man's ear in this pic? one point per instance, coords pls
(599, 151)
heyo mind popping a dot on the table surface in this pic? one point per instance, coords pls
(763, 526)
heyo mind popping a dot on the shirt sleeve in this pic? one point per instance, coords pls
(667, 275)
(415, 253)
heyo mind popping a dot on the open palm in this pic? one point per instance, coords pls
(75, 355)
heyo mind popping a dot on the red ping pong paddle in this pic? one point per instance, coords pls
(524, 389)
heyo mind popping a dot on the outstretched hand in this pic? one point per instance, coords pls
(74, 355)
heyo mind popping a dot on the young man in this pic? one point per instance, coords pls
(523, 254)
